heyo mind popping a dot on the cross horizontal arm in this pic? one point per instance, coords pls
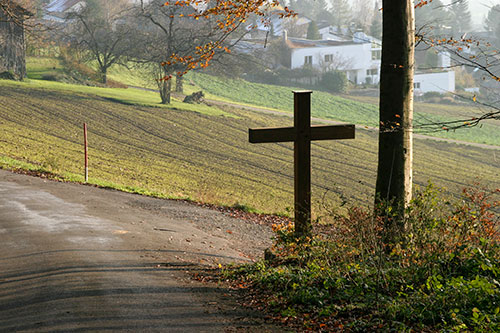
(288, 134)
(271, 134)
(332, 132)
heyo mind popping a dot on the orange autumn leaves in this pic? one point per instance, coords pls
(422, 3)
(228, 16)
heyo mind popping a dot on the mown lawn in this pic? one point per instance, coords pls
(174, 152)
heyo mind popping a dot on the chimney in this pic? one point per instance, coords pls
(285, 35)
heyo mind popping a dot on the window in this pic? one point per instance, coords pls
(308, 60)
(328, 57)
(376, 55)
(372, 71)
(416, 85)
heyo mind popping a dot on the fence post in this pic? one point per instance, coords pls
(86, 152)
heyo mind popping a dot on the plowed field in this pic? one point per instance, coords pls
(207, 158)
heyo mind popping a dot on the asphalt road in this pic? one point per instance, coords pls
(77, 258)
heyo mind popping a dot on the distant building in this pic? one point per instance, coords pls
(441, 82)
(434, 78)
(329, 32)
(358, 56)
(12, 44)
(57, 10)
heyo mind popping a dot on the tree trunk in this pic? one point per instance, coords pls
(165, 91)
(394, 174)
(104, 75)
(179, 84)
(12, 47)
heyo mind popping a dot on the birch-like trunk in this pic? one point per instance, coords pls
(394, 174)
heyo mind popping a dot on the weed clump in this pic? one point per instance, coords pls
(442, 274)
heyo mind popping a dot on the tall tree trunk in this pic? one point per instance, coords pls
(394, 174)
(12, 46)
(179, 84)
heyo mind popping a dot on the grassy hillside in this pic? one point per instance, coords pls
(358, 110)
(354, 109)
(173, 152)
(118, 95)
(40, 67)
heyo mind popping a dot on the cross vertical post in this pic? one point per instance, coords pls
(302, 161)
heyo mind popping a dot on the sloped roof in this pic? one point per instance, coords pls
(61, 6)
(301, 43)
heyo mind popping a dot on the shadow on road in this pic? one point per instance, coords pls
(27, 255)
(61, 296)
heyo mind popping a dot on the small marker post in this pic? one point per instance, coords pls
(86, 152)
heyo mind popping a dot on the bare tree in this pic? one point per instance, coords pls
(102, 28)
(167, 32)
(163, 32)
(16, 11)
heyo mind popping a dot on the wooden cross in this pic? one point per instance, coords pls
(301, 134)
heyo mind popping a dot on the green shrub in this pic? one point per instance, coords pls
(334, 81)
(441, 275)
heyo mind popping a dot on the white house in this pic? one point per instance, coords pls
(432, 80)
(441, 82)
(358, 57)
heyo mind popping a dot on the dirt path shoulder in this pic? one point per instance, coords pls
(79, 258)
